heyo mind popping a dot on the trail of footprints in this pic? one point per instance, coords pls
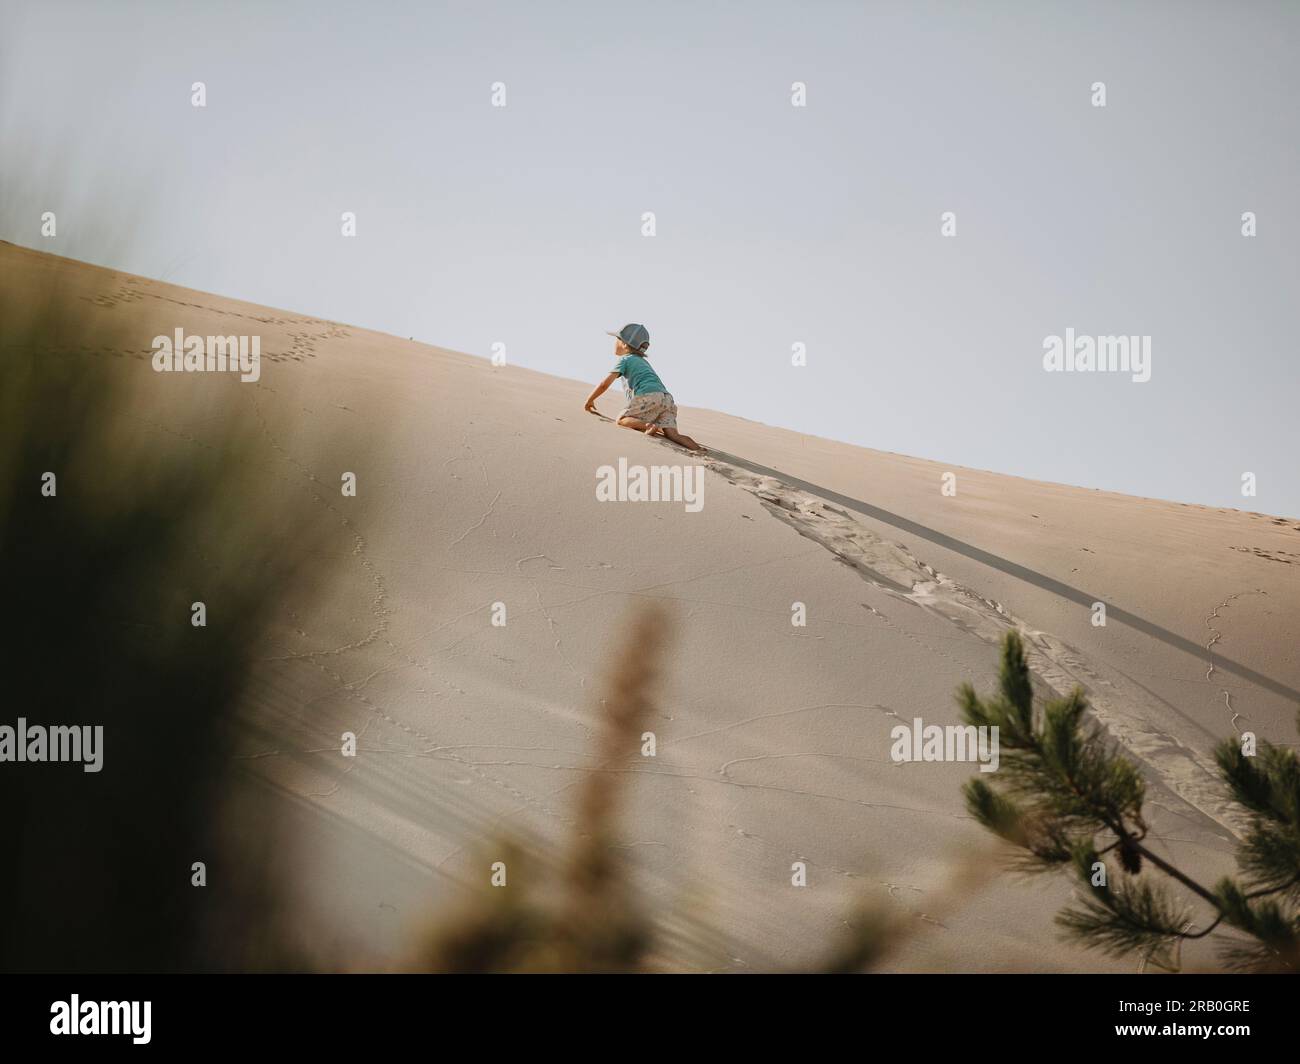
(302, 344)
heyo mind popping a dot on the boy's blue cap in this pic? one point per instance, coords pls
(637, 337)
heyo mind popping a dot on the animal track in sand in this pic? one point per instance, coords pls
(550, 563)
(1234, 716)
(480, 522)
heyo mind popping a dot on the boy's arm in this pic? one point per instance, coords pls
(590, 404)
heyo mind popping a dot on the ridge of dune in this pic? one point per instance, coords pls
(279, 316)
(479, 491)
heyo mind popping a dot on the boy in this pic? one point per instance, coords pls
(650, 409)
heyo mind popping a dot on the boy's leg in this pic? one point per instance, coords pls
(666, 421)
(630, 422)
(682, 438)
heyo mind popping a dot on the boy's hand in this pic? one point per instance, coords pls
(590, 404)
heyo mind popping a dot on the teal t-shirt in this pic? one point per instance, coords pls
(641, 378)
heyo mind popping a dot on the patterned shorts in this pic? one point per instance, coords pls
(657, 408)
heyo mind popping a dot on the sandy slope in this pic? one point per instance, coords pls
(476, 486)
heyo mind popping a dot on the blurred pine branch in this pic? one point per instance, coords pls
(1067, 799)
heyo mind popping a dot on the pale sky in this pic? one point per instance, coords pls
(775, 224)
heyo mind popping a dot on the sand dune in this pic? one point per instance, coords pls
(475, 486)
